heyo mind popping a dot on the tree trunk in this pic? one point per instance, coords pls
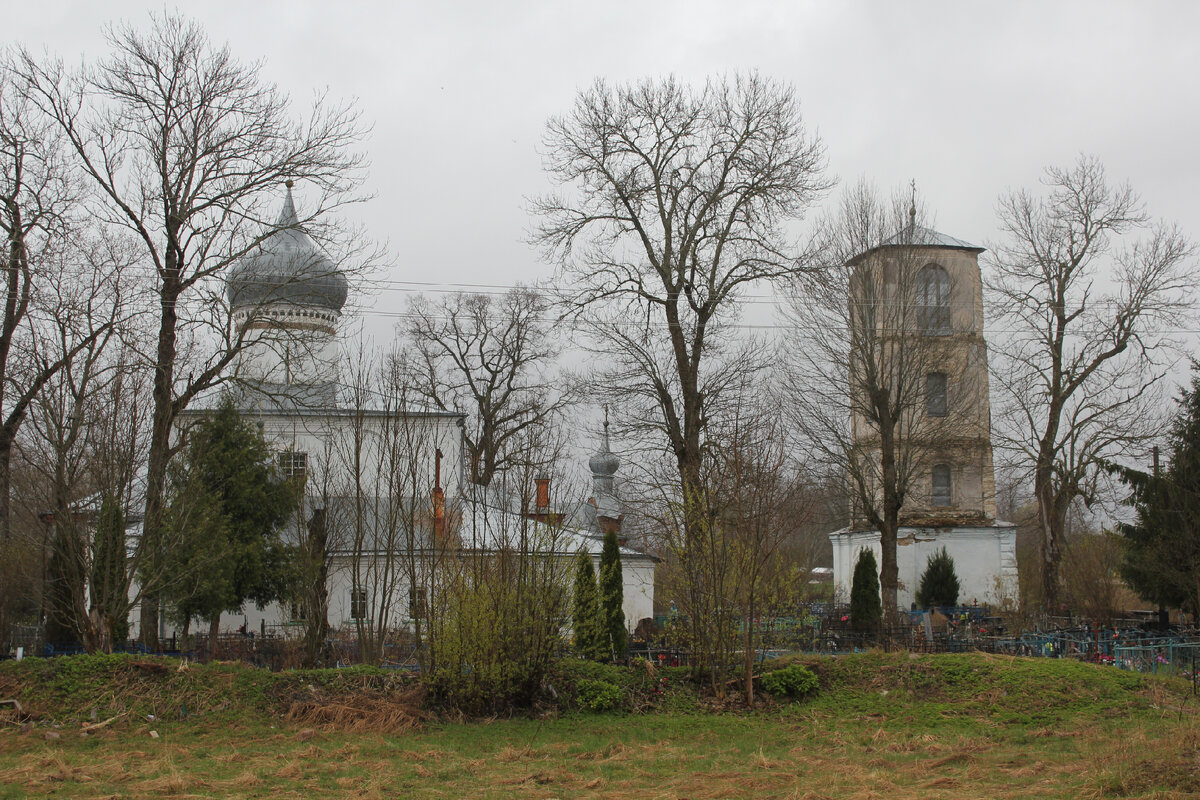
(889, 570)
(749, 660)
(16, 301)
(317, 601)
(214, 631)
(160, 452)
(5, 488)
(1051, 522)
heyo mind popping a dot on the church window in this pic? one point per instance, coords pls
(358, 604)
(865, 295)
(933, 300)
(935, 394)
(292, 464)
(941, 485)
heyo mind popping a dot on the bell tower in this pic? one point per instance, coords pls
(918, 298)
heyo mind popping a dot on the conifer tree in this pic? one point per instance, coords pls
(866, 609)
(612, 597)
(227, 508)
(1162, 546)
(108, 583)
(939, 583)
(585, 616)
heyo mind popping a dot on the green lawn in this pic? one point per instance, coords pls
(887, 726)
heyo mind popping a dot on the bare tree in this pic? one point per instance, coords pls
(864, 345)
(390, 510)
(66, 426)
(490, 357)
(678, 202)
(41, 224)
(1087, 303)
(184, 145)
(762, 505)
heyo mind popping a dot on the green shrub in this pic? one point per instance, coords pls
(599, 695)
(794, 680)
(939, 584)
(866, 610)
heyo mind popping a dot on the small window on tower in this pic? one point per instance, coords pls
(292, 464)
(935, 394)
(941, 485)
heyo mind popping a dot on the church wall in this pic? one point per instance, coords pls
(638, 586)
(389, 449)
(984, 560)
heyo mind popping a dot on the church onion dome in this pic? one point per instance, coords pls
(604, 464)
(287, 267)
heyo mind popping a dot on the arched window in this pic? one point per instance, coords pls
(863, 301)
(941, 485)
(935, 394)
(933, 300)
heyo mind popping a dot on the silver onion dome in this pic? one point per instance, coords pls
(287, 267)
(604, 464)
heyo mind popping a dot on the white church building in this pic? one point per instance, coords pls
(387, 478)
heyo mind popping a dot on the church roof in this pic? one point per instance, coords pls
(605, 463)
(918, 236)
(287, 266)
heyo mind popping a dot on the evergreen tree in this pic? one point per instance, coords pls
(866, 609)
(108, 583)
(1162, 545)
(585, 612)
(939, 583)
(65, 574)
(228, 504)
(612, 597)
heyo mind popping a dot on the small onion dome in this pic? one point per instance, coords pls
(287, 267)
(604, 463)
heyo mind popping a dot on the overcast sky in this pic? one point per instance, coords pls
(968, 99)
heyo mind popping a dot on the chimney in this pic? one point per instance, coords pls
(542, 501)
(439, 501)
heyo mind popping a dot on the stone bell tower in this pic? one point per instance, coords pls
(923, 293)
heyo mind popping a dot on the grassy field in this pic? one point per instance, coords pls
(882, 725)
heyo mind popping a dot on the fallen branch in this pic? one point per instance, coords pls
(16, 703)
(91, 726)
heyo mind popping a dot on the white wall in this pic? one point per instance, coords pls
(984, 559)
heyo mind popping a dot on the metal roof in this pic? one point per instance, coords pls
(917, 236)
(288, 267)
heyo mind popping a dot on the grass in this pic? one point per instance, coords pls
(882, 725)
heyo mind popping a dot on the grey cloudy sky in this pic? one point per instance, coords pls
(968, 99)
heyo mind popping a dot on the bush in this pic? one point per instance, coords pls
(599, 695)
(794, 680)
(939, 583)
(493, 635)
